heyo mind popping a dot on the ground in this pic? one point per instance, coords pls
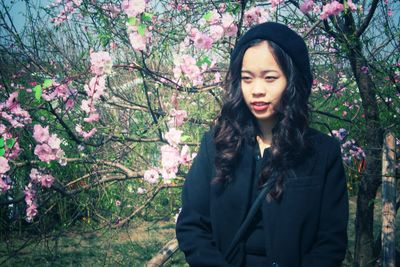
(128, 246)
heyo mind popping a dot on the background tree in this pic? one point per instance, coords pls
(103, 103)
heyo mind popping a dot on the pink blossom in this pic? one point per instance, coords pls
(364, 69)
(85, 135)
(214, 19)
(3, 186)
(133, 7)
(255, 15)
(54, 142)
(93, 117)
(231, 30)
(178, 117)
(390, 12)
(87, 105)
(352, 6)
(69, 104)
(17, 117)
(250, 16)
(31, 212)
(186, 158)
(192, 31)
(4, 167)
(113, 10)
(141, 190)
(45, 153)
(3, 129)
(96, 87)
(47, 180)
(227, 20)
(12, 100)
(14, 151)
(216, 32)
(137, 41)
(217, 77)
(306, 6)
(35, 175)
(63, 91)
(275, 3)
(203, 41)
(101, 63)
(117, 203)
(332, 8)
(187, 65)
(77, 2)
(168, 175)
(30, 194)
(151, 176)
(170, 158)
(41, 134)
(173, 136)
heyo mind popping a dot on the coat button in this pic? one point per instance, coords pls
(274, 264)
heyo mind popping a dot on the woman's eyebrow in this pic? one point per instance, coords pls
(262, 72)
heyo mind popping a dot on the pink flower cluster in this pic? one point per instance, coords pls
(132, 8)
(137, 40)
(94, 90)
(275, 3)
(306, 6)
(46, 180)
(218, 27)
(11, 112)
(331, 9)
(30, 200)
(151, 176)
(177, 117)
(171, 158)
(13, 152)
(186, 65)
(100, 63)
(58, 90)
(4, 167)
(111, 9)
(4, 185)
(255, 15)
(69, 7)
(49, 145)
(350, 149)
(173, 136)
(86, 135)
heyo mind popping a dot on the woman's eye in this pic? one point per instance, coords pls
(246, 78)
(270, 78)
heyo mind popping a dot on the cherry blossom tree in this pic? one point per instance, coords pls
(114, 95)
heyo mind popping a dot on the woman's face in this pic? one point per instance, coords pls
(262, 82)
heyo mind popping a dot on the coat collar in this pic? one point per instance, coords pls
(236, 194)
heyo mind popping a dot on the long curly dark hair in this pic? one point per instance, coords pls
(236, 125)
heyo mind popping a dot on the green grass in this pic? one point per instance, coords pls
(132, 246)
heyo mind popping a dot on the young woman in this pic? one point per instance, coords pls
(260, 138)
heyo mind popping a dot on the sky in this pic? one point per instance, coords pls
(18, 10)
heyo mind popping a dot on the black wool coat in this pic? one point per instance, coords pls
(307, 228)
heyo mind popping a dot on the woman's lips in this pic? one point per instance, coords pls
(260, 106)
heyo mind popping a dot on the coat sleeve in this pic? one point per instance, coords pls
(193, 228)
(330, 247)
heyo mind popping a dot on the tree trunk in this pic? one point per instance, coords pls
(164, 254)
(389, 202)
(371, 178)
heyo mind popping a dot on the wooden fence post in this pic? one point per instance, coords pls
(388, 202)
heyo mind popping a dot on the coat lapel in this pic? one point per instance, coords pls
(240, 189)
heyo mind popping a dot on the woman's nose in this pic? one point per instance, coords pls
(258, 88)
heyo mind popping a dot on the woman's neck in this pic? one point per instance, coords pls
(265, 140)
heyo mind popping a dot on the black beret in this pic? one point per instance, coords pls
(292, 43)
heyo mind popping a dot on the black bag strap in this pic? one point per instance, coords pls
(250, 215)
